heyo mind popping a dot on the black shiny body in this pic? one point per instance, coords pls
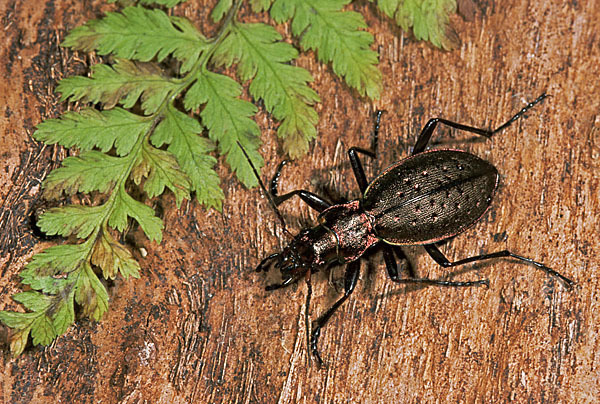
(430, 196)
(420, 200)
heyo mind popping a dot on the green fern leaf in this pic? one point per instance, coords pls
(389, 7)
(220, 10)
(124, 82)
(260, 5)
(90, 128)
(64, 314)
(337, 38)
(50, 317)
(429, 20)
(140, 34)
(33, 301)
(92, 171)
(283, 87)
(18, 340)
(54, 260)
(90, 293)
(182, 132)
(42, 330)
(110, 256)
(125, 206)
(228, 121)
(161, 170)
(13, 319)
(72, 219)
(44, 283)
(63, 317)
(21, 322)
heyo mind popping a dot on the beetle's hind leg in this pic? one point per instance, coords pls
(392, 269)
(441, 259)
(427, 130)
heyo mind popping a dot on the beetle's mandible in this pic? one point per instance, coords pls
(423, 199)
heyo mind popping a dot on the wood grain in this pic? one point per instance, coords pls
(198, 326)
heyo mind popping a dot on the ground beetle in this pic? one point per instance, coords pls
(420, 200)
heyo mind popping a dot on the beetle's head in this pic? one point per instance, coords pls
(293, 262)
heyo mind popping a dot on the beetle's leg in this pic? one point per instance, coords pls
(283, 284)
(359, 172)
(357, 167)
(427, 130)
(392, 269)
(391, 263)
(263, 264)
(314, 201)
(350, 278)
(438, 257)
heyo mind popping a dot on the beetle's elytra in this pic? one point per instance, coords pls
(425, 198)
(430, 196)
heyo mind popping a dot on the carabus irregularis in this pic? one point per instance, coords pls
(421, 200)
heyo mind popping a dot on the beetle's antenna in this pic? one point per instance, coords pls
(264, 189)
(306, 315)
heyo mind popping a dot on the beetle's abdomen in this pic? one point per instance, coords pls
(430, 196)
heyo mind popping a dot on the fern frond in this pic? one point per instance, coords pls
(264, 59)
(122, 83)
(337, 36)
(182, 134)
(140, 34)
(429, 20)
(89, 129)
(228, 121)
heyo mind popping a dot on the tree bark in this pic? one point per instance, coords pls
(198, 326)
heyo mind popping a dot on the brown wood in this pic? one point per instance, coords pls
(198, 326)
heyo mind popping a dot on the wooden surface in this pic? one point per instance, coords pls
(198, 326)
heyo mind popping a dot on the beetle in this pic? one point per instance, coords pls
(424, 199)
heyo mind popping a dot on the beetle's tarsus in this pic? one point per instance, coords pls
(313, 346)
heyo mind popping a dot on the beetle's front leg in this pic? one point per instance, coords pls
(357, 168)
(314, 201)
